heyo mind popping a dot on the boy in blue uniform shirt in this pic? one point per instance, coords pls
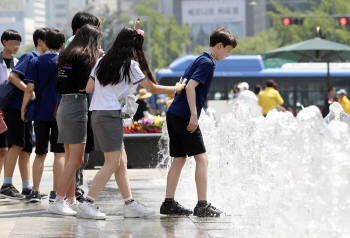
(184, 133)
(11, 41)
(45, 125)
(20, 132)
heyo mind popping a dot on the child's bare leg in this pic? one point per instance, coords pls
(111, 165)
(3, 153)
(122, 177)
(174, 176)
(58, 166)
(38, 169)
(201, 175)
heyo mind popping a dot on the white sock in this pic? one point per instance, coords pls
(129, 201)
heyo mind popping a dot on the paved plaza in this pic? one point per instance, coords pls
(24, 219)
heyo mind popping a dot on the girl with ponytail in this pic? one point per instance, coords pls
(117, 74)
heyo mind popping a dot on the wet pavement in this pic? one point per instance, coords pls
(24, 219)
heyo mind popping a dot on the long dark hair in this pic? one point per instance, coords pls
(127, 46)
(83, 48)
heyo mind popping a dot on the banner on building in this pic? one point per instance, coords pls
(205, 16)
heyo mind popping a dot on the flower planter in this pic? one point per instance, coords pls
(141, 149)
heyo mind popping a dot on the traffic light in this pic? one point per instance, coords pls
(290, 21)
(343, 21)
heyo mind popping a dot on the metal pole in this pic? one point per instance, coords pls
(334, 35)
(328, 76)
(149, 43)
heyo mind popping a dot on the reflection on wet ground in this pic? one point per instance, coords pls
(24, 219)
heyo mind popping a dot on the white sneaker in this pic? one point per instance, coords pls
(87, 210)
(61, 208)
(74, 205)
(137, 209)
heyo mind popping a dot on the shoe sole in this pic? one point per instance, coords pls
(15, 198)
(35, 200)
(134, 215)
(91, 217)
(60, 213)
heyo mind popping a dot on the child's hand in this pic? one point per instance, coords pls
(22, 116)
(179, 87)
(192, 126)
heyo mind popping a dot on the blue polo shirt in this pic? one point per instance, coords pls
(21, 68)
(202, 71)
(38, 71)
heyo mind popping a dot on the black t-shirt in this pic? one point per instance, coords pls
(9, 63)
(73, 77)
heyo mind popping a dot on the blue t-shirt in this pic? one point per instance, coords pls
(38, 71)
(202, 71)
(21, 68)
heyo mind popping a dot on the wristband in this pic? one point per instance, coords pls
(175, 89)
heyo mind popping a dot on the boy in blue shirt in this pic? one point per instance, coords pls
(45, 125)
(184, 133)
(20, 132)
(11, 41)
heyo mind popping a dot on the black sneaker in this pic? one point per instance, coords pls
(43, 195)
(206, 210)
(11, 192)
(35, 196)
(52, 197)
(174, 208)
(26, 192)
(80, 199)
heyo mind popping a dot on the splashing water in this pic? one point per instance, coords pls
(279, 176)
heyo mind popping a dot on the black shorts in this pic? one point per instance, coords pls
(3, 140)
(46, 131)
(183, 143)
(19, 133)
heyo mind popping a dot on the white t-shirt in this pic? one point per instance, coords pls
(250, 98)
(105, 97)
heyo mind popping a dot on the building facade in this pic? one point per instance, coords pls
(23, 16)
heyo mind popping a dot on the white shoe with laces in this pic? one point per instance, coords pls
(74, 205)
(91, 211)
(61, 208)
(137, 209)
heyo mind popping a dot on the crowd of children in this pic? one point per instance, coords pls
(55, 80)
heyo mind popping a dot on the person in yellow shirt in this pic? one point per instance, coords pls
(269, 98)
(344, 101)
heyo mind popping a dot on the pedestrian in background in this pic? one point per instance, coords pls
(328, 101)
(344, 101)
(141, 97)
(269, 98)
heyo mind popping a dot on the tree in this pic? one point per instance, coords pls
(295, 33)
(168, 40)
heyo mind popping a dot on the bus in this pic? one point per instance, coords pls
(298, 86)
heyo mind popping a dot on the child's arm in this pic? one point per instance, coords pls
(15, 79)
(27, 95)
(159, 89)
(90, 87)
(191, 99)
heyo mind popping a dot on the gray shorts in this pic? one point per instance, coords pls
(72, 117)
(108, 130)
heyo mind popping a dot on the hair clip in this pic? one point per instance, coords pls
(140, 32)
(138, 22)
(100, 22)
